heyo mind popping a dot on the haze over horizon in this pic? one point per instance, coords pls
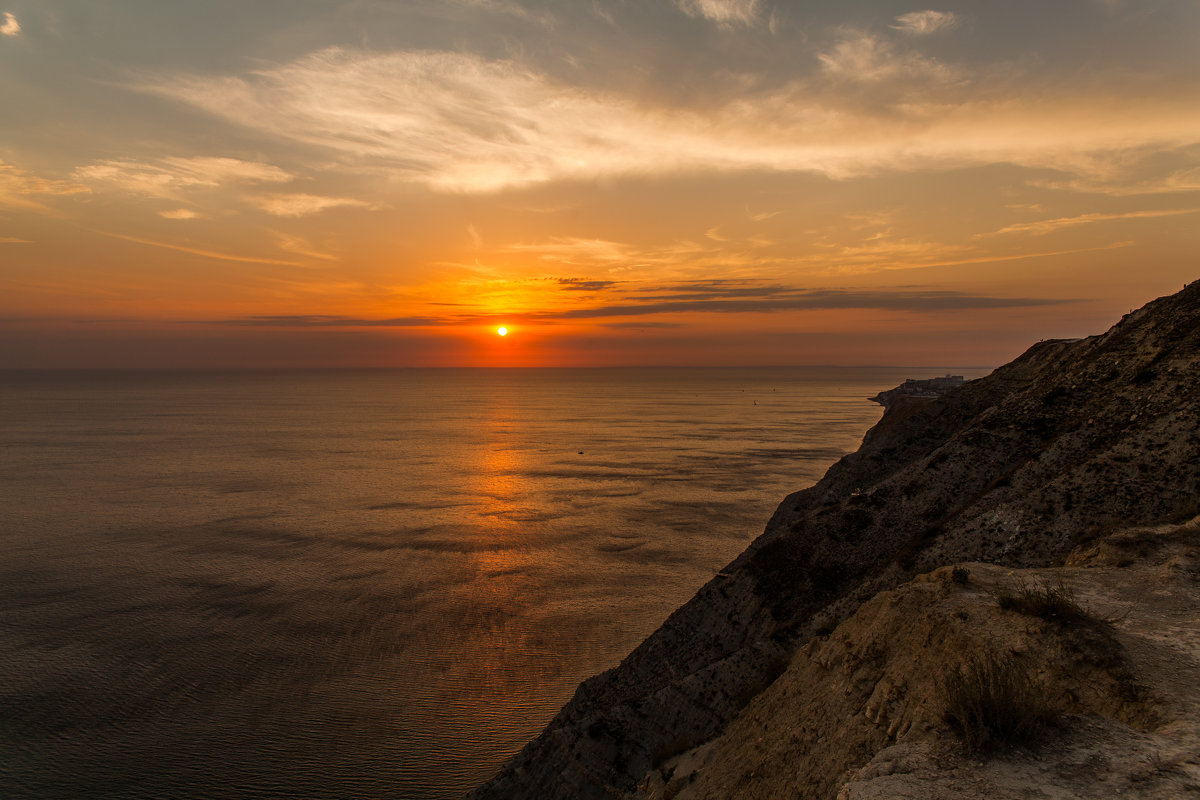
(289, 183)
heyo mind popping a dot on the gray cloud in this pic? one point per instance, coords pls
(641, 325)
(581, 285)
(801, 300)
(732, 299)
(324, 321)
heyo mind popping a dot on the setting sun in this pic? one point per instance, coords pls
(502, 331)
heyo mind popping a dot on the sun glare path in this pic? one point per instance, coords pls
(502, 331)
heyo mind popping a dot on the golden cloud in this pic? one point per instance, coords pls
(457, 122)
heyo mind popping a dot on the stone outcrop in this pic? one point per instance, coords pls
(922, 388)
(1018, 469)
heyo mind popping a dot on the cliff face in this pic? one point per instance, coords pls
(1016, 469)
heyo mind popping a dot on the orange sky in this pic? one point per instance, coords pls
(370, 183)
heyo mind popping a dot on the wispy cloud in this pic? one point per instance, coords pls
(302, 247)
(10, 27)
(863, 57)
(179, 213)
(725, 12)
(14, 240)
(727, 253)
(1129, 172)
(505, 7)
(569, 250)
(1045, 226)
(166, 177)
(20, 189)
(641, 324)
(301, 205)
(921, 23)
(458, 122)
(325, 321)
(199, 251)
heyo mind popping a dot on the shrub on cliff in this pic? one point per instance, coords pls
(992, 701)
(1054, 602)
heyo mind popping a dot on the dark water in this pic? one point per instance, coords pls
(361, 584)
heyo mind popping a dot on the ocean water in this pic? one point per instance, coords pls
(361, 584)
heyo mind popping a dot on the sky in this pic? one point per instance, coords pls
(352, 183)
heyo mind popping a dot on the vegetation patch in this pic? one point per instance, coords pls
(1054, 602)
(992, 701)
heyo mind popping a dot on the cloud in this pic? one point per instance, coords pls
(14, 240)
(716, 297)
(725, 12)
(921, 23)
(777, 300)
(1045, 226)
(302, 247)
(713, 289)
(10, 27)
(179, 213)
(196, 251)
(641, 324)
(166, 177)
(302, 205)
(18, 189)
(570, 250)
(1129, 172)
(581, 285)
(506, 7)
(324, 321)
(862, 57)
(456, 122)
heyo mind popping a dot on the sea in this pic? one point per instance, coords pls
(362, 583)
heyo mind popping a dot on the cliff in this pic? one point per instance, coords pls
(1105, 669)
(1044, 457)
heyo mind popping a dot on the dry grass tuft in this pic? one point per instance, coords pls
(993, 701)
(1054, 602)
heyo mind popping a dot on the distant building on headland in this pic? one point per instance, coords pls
(920, 387)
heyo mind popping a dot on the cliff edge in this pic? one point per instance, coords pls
(1043, 458)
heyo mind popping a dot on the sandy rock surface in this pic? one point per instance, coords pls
(858, 715)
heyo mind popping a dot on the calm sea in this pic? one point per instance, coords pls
(361, 584)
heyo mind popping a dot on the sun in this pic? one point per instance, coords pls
(502, 331)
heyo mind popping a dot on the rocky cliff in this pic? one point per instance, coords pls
(1048, 454)
(1098, 680)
